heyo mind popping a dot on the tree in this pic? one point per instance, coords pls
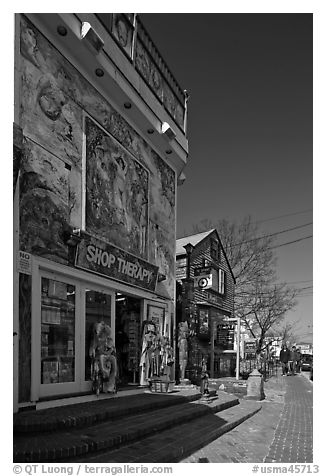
(259, 301)
(287, 332)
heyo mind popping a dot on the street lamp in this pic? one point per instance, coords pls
(237, 320)
(189, 249)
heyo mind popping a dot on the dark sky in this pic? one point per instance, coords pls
(250, 126)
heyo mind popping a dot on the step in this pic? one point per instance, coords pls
(64, 445)
(179, 442)
(83, 414)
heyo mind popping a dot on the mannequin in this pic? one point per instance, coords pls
(102, 348)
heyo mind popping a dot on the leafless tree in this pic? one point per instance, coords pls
(260, 302)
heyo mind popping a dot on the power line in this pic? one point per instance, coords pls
(290, 242)
(294, 282)
(283, 216)
(272, 234)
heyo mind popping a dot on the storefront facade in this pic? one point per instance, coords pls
(94, 202)
(207, 298)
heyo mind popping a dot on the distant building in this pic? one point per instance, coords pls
(305, 348)
(99, 147)
(206, 300)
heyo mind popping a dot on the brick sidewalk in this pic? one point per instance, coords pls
(293, 440)
(280, 432)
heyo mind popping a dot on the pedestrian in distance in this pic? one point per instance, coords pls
(284, 359)
(293, 360)
(299, 360)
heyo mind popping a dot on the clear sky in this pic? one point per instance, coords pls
(250, 127)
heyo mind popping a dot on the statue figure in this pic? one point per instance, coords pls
(183, 347)
(102, 348)
(147, 352)
(204, 378)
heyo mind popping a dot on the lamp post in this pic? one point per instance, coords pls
(237, 369)
(184, 325)
(189, 249)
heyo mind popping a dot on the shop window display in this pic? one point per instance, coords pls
(98, 310)
(57, 332)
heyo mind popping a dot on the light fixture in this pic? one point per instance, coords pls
(169, 151)
(167, 131)
(150, 131)
(127, 105)
(91, 36)
(99, 72)
(181, 179)
(71, 236)
(62, 30)
(161, 277)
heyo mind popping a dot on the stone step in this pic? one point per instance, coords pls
(176, 443)
(92, 412)
(79, 442)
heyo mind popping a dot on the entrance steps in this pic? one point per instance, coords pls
(142, 427)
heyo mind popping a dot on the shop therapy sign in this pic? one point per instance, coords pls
(108, 260)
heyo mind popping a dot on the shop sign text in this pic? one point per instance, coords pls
(108, 260)
(24, 262)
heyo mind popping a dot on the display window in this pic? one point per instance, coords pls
(57, 331)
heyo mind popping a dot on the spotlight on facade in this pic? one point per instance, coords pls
(62, 30)
(89, 34)
(99, 72)
(181, 179)
(71, 236)
(167, 131)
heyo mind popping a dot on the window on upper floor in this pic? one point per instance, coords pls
(221, 281)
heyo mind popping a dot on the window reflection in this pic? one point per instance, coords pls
(57, 332)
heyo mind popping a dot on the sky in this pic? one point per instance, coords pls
(250, 129)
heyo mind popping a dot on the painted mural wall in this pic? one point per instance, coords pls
(130, 196)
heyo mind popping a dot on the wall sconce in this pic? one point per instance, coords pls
(88, 33)
(161, 277)
(167, 131)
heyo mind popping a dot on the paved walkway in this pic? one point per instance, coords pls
(281, 432)
(292, 442)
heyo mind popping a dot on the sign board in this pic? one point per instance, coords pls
(108, 260)
(203, 278)
(24, 262)
(250, 349)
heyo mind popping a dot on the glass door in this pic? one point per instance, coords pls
(98, 307)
